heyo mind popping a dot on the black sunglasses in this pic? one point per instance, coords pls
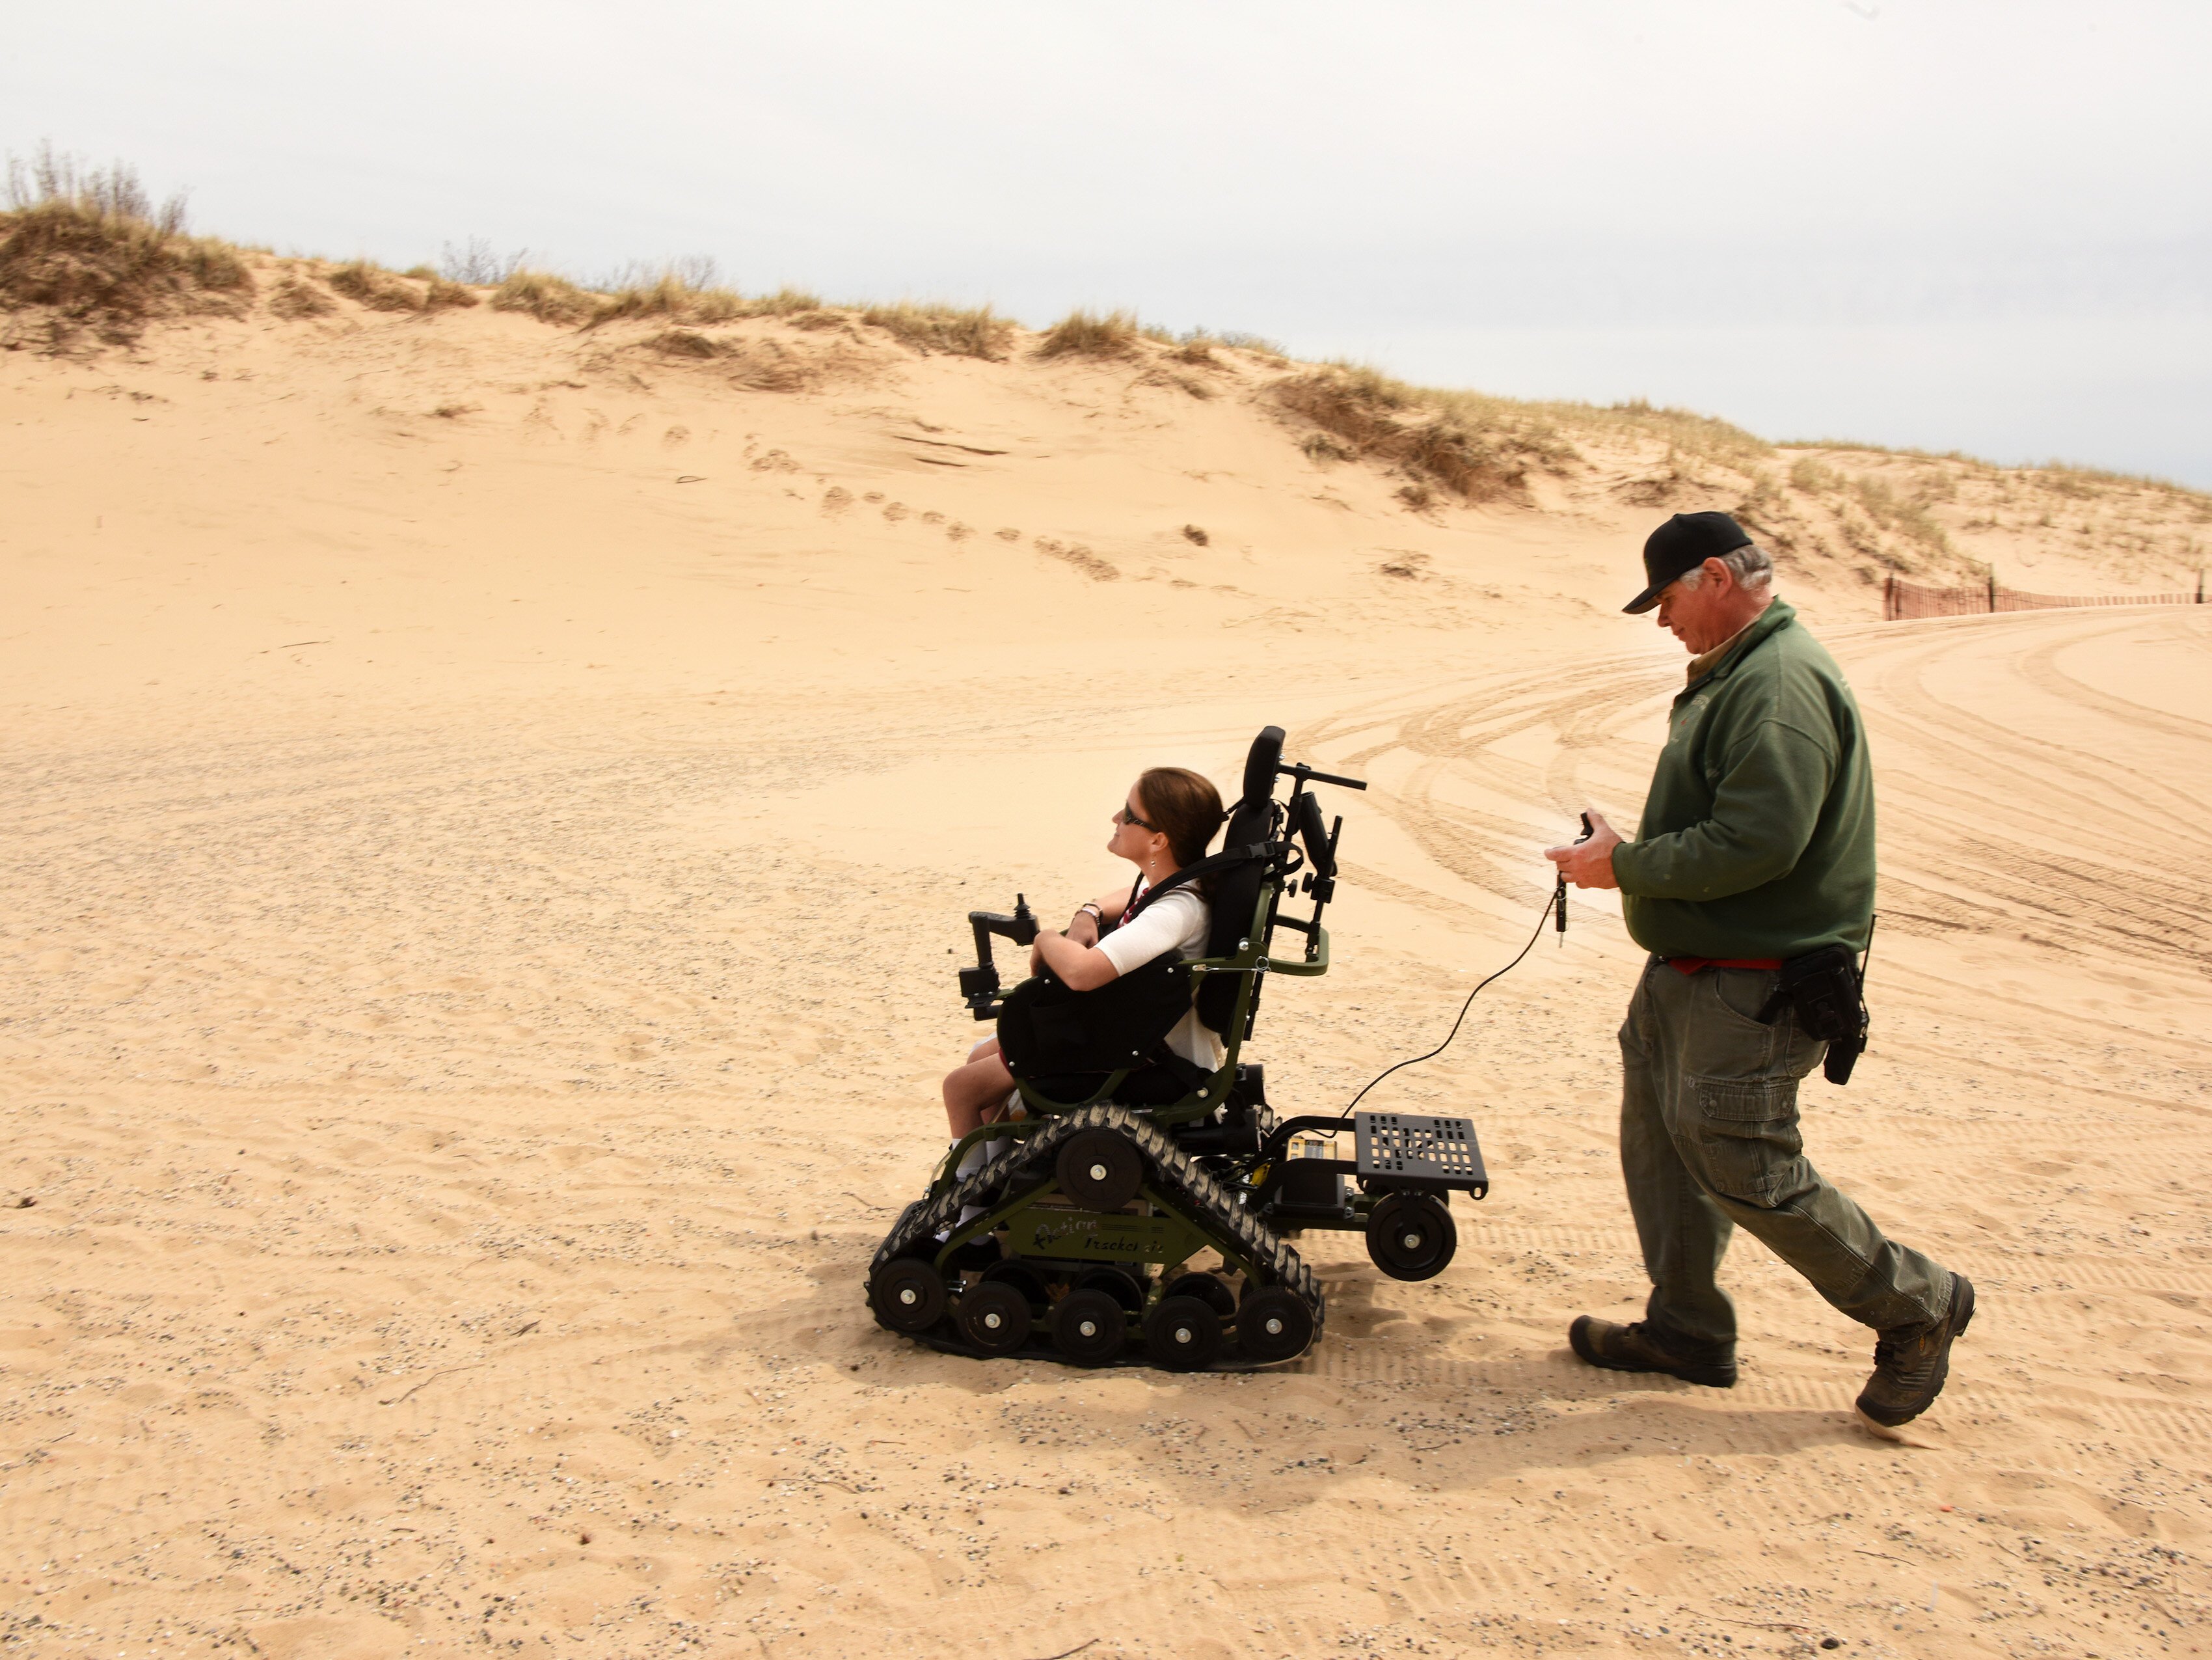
(1123, 816)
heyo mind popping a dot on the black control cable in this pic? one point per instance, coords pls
(1555, 910)
(1542, 917)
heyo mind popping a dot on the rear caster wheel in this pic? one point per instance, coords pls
(1088, 1326)
(1183, 1334)
(995, 1318)
(1099, 1170)
(1272, 1325)
(1207, 1288)
(907, 1295)
(1409, 1236)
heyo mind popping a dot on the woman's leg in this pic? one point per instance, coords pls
(973, 1092)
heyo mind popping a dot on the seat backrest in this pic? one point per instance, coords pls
(1235, 895)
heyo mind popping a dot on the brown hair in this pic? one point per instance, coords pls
(1183, 807)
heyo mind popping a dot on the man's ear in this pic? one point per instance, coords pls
(1715, 571)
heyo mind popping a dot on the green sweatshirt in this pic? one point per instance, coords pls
(1758, 836)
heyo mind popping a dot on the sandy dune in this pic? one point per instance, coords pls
(478, 925)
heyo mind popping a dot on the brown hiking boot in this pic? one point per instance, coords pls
(1641, 1348)
(1911, 1362)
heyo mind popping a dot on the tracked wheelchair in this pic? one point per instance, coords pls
(1102, 1211)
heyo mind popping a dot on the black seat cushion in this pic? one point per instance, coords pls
(1147, 1086)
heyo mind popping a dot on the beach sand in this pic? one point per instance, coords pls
(480, 903)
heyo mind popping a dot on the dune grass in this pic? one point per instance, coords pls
(293, 299)
(681, 297)
(1899, 514)
(958, 331)
(382, 290)
(1702, 437)
(684, 297)
(543, 296)
(91, 252)
(1814, 478)
(684, 343)
(1481, 449)
(1091, 334)
(667, 295)
(2073, 479)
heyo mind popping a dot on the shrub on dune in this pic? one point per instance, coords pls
(90, 248)
(684, 343)
(293, 300)
(1086, 334)
(375, 287)
(1479, 448)
(784, 302)
(668, 295)
(548, 298)
(683, 297)
(962, 332)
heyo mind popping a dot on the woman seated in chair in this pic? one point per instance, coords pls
(1169, 816)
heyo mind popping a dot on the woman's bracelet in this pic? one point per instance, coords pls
(1089, 908)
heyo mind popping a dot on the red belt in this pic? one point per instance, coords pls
(1692, 965)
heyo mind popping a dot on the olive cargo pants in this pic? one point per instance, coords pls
(1709, 1142)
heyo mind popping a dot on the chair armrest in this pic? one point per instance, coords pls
(1315, 962)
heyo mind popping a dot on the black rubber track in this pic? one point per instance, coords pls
(1028, 1164)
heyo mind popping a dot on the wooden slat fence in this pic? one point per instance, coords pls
(1901, 599)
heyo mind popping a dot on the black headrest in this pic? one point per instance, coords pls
(1260, 763)
(1235, 893)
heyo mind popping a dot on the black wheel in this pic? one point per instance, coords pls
(1100, 1169)
(1183, 1334)
(1207, 1288)
(1088, 1326)
(1273, 1323)
(1023, 1278)
(1123, 1285)
(995, 1318)
(1409, 1236)
(907, 1295)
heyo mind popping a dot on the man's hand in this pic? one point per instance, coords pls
(1589, 864)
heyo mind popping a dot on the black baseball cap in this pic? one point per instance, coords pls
(1682, 544)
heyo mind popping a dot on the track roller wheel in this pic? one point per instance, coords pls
(1273, 1324)
(1207, 1288)
(1088, 1327)
(1100, 1169)
(1183, 1334)
(1119, 1283)
(1409, 1236)
(995, 1318)
(907, 1295)
(1023, 1278)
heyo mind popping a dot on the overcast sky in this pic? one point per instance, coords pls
(1971, 225)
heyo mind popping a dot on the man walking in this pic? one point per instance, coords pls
(1752, 870)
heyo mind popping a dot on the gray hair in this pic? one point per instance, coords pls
(1751, 565)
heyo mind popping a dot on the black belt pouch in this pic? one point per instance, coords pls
(1828, 992)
